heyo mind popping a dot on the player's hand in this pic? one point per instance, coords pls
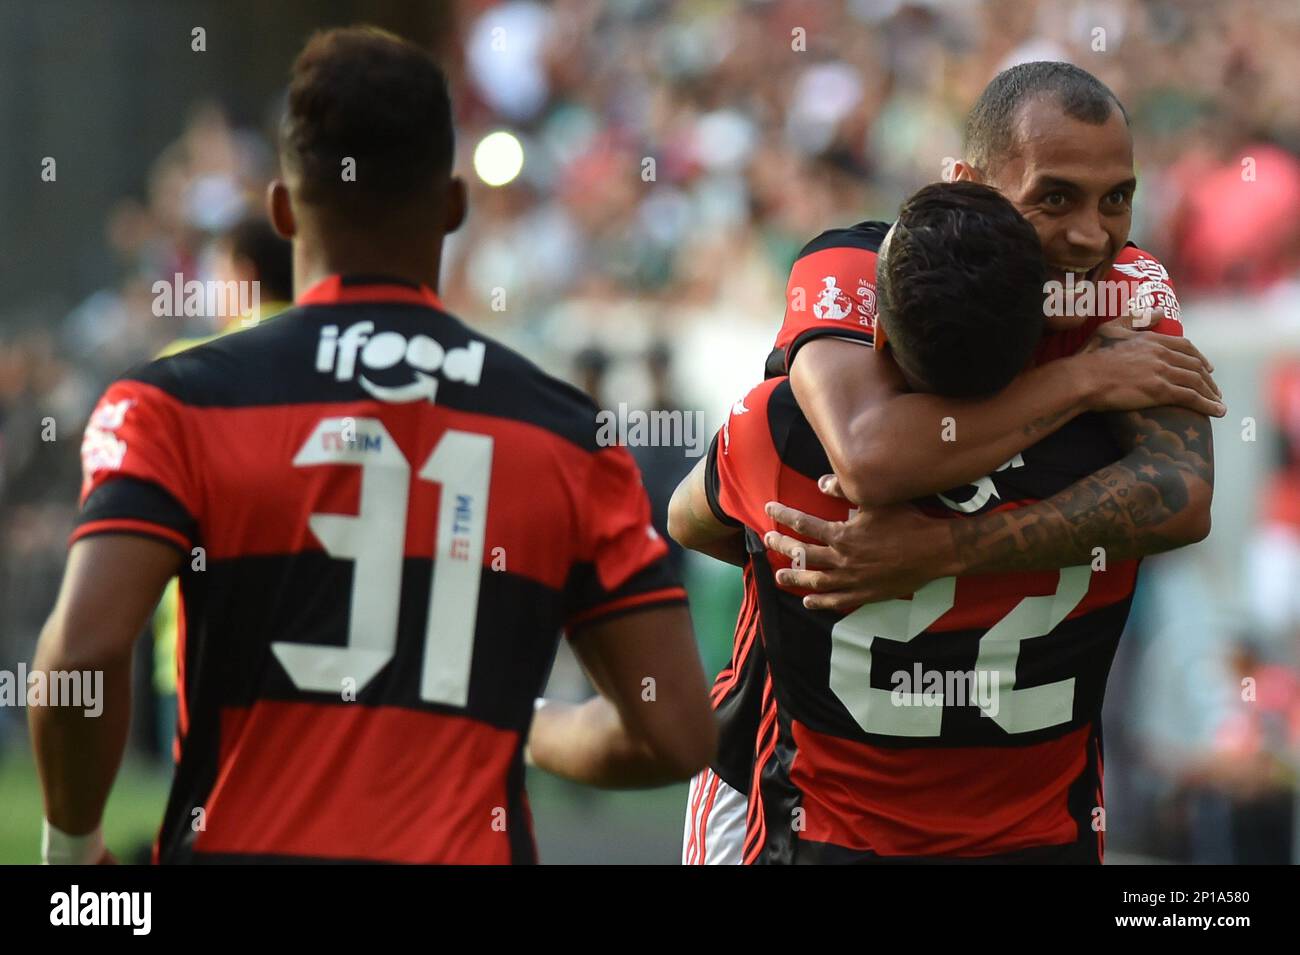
(877, 554)
(1130, 370)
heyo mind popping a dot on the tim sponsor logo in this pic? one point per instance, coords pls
(133, 909)
(357, 350)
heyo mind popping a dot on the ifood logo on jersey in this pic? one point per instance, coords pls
(357, 345)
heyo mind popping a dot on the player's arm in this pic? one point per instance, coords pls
(110, 587)
(629, 626)
(693, 524)
(1155, 498)
(651, 723)
(889, 445)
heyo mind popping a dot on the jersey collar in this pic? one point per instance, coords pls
(352, 289)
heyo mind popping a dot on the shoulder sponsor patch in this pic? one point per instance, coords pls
(101, 448)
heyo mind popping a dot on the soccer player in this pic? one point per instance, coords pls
(940, 726)
(1055, 141)
(381, 519)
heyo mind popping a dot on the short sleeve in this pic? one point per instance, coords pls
(743, 467)
(1148, 285)
(622, 562)
(1137, 281)
(135, 478)
(831, 292)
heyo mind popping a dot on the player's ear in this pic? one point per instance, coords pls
(457, 205)
(962, 171)
(279, 210)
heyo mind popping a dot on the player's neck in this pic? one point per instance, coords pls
(315, 260)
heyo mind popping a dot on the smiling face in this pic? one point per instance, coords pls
(1074, 182)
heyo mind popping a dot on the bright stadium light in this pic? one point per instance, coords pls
(498, 158)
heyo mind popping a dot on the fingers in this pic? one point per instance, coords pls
(829, 590)
(1184, 359)
(843, 601)
(803, 524)
(802, 554)
(1145, 318)
(1175, 383)
(818, 581)
(1198, 380)
(830, 486)
(1184, 370)
(1118, 328)
(1195, 401)
(1208, 386)
(1179, 344)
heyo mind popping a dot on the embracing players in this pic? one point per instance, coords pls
(1055, 142)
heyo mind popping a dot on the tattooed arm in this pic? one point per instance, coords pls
(888, 445)
(1155, 498)
(692, 523)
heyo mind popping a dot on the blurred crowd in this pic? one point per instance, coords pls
(678, 153)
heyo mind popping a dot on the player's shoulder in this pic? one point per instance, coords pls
(521, 389)
(760, 398)
(1133, 255)
(394, 353)
(1147, 280)
(223, 369)
(768, 409)
(479, 374)
(866, 236)
(767, 430)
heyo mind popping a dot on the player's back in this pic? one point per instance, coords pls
(837, 271)
(387, 520)
(962, 722)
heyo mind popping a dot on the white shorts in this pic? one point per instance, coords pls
(715, 822)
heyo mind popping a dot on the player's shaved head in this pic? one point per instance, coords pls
(1056, 142)
(364, 98)
(991, 132)
(960, 283)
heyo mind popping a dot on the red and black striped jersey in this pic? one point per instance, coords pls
(817, 305)
(962, 722)
(831, 292)
(737, 693)
(387, 519)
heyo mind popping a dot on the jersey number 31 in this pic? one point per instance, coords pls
(375, 540)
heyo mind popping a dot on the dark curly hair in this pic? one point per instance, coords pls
(364, 94)
(960, 280)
